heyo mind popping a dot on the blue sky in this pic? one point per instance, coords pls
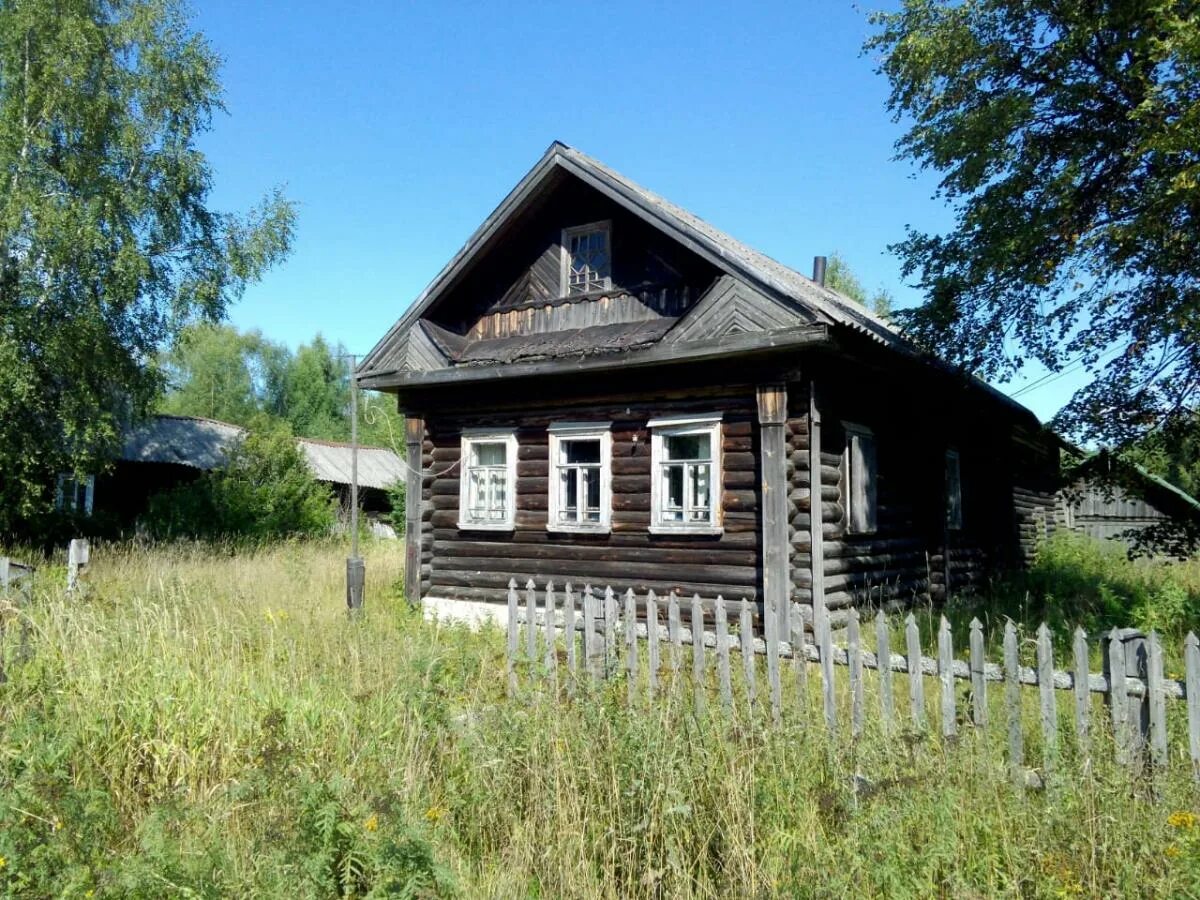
(398, 127)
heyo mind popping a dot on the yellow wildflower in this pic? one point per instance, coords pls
(57, 825)
(372, 823)
(1173, 851)
(1182, 819)
(435, 814)
(3, 862)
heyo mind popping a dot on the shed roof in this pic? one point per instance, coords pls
(204, 443)
(378, 467)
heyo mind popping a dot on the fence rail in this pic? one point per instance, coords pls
(614, 628)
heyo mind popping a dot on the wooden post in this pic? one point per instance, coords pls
(854, 658)
(1114, 658)
(746, 634)
(723, 655)
(1083, 702)
(551, 655)
(698, 651)
(513, 638)
(612, 621)
(592, 649)
(674, 634)
(1012, 698)
(569, 634)
(631, 647)
(827, 694)
(1157, 702)
(1049, 707)
(78, 554)
(531, 622)
(652, 641)
(773, 459)
(1191, 661)
(883, 657)
(916, 680)
(816, 534)
(979, 710)
(414, 436)
(946, 677)
(800, 661)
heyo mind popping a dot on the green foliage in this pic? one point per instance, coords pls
(263, 744)
(264, 490)
(218, 372)
(841, 278)
(1172, 453)
(397, 497)
(107, 243)
(1067, 136)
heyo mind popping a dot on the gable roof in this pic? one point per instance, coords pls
(779, 282)
(203, 444)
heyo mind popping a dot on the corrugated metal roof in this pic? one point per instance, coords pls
(204, 443)
(181, 440)
(377, 467)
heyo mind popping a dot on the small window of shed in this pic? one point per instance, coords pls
(861, 473)
(954, 510)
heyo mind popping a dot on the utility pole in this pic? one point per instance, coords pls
(356, 569)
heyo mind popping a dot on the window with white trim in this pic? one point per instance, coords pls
(685, 487)
(860, 469)
(954, 510)
(487, 497)
(587, 259)
(580, 476)
(75, 495)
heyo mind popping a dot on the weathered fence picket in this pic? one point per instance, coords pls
(1191, 660)
(698, 651)
(883, 657)
(854, 651)
(916, 681)
(946, 677)
(1049, 710)
(513, 638)
(1012, 700)
(674, 633)
(631, 647)
(979, 710)
(746, 635)
(1083, 701)
(652, 641)
(725, 676)
(1133, 681)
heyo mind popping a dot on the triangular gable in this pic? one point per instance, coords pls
(767, 278)
(733, 307)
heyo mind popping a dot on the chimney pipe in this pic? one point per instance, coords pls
(819, 270)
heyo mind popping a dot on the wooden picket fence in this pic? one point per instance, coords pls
(616, 628)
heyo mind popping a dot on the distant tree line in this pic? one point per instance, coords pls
(219, 372)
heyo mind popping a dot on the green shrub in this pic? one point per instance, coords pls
(264, 490)
(396, 497)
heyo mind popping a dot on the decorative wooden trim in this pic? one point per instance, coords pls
(773, 457)
(674, 427)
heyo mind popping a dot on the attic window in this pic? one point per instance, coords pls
(587, 259)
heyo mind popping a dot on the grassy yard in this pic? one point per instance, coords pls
(207, 723)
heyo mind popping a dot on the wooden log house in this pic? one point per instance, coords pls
(600, 387)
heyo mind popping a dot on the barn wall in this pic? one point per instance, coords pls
(472, 565)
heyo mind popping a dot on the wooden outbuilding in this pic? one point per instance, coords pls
(602, 388)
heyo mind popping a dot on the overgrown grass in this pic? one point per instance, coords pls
(213, 724)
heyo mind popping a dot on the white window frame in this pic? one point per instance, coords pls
(470, 436)
(681, 426)
(604, 227)
(954, 523)
(88, 483)
(581, 431)
(870, 516)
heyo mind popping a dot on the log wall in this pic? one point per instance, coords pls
(476, 565)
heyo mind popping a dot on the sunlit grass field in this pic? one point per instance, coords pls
(209, 722)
